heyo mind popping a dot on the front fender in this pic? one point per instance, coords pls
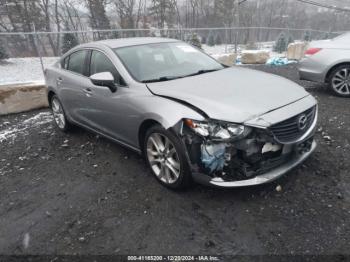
(167, 112)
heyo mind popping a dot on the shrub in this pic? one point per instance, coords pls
(218, 40)
(307, 36)
(195, 41)
(211, 40)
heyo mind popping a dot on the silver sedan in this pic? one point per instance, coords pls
(191, 117)
(328, 61)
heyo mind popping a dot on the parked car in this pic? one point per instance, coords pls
(328, 61)
(191, 117)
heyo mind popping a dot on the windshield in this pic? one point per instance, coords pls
(343, 37)
(165, 61)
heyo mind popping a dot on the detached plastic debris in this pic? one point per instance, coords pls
(213, 156)
(278, 61)
(278, 188)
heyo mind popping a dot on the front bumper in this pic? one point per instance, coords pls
(261, 179)
(261, 157)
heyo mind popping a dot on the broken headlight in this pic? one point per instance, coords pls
(219, 130)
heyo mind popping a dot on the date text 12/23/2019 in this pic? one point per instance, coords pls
(174, 258)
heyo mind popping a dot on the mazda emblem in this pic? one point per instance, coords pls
(302, 122)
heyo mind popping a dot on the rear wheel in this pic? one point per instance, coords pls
(59, 115)
(166, 158)
(340, 81)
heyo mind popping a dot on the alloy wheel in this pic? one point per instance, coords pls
(163, 158)
(341, 82)
(58, 113)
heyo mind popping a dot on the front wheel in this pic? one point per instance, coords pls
(165, 155)
(340, 81)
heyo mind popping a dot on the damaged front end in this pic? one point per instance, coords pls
(227, 154)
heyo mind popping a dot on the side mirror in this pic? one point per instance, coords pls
(104, 79)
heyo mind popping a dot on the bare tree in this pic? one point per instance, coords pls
(125, 10)
(50, 9)
(19, 16)
(162, 11)
(98, 17)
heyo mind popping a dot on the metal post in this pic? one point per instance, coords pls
(226, 39)
(36, 47)
(237, 26)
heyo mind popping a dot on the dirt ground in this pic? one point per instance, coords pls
(78, 193)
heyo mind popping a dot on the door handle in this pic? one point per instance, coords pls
(87, 91)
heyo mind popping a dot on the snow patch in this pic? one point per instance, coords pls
(254, 51)
(22, 128)
(23, 70)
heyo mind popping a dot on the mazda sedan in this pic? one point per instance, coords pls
(191, 117)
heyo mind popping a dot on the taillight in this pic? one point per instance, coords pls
(312, 51)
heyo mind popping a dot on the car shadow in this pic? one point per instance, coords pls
(196, 191)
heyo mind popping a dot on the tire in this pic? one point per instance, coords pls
(59, 115)
(170, 166)
(339, 81)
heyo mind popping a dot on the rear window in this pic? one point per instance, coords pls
(64, 63)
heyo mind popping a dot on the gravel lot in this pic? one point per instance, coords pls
(77, 193)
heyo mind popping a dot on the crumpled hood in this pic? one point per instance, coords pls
(233, 94)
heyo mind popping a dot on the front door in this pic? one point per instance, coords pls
(104, 110)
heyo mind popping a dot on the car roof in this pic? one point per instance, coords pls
(123, 42)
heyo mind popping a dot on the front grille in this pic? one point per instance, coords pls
(289, 130)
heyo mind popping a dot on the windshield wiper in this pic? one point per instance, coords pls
(161, 79)
(203, 71)
(167, 78)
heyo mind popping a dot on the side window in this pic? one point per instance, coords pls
(76, 62)
(101, 63)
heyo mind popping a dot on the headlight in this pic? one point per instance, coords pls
(218, 129)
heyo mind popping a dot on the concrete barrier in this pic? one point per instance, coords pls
(254, 56)
(296, 50)
(17, 98)
(226, 59)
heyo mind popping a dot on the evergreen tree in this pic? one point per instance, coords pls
(3, 53)
(195, 41)
(211, 40)
(218, 40)
(68, 42)
(307, 36)
(281, 43)
(203, 40)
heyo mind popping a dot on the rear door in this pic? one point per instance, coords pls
(71, 84)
